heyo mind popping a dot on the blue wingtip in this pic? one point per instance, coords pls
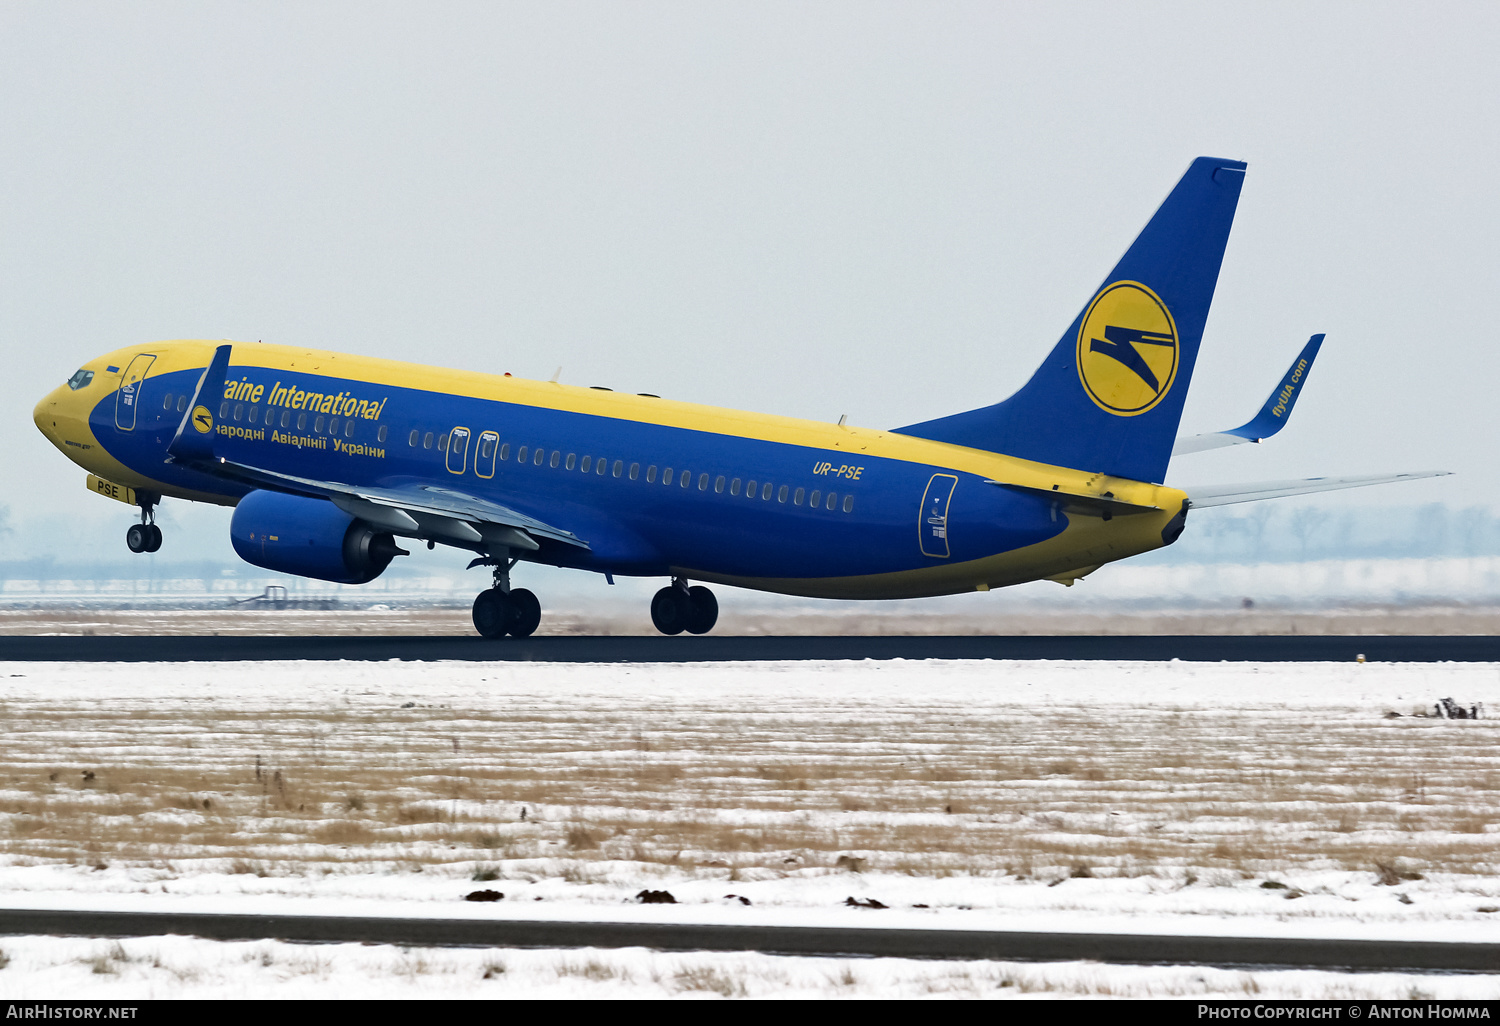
(1278, 408)
(191, 444)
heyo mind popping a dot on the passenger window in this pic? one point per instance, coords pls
(182, 404)
(382, 433)
(443, 442)
(848, 504)
(588, 464)
(411, 439)
(317, 425)
(666, 476)
(619, 467)
(255, 414)
(427, 440)
(750, 490)
(719, 485)
(349, 429)
(651, 474)
(572, 461)
(797, 498)
(333, 426)
(816, 498)
(703, 482)
(781, 495)
(239, 411)
(539, 456)
(224, 410)
(833, 500)
(635, 471)
(734, 487)
(302, 422)
(555, 460)
(686, 478)
(521, 453)
(166, 403)
(505, 452)
(765, 492)
(286, 418)
(600, 465)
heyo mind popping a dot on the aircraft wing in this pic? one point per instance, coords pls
(413, 510)
(417, 510)
(1272, 416)
(1224, 495)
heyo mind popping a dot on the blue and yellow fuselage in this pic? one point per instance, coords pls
(836, 511)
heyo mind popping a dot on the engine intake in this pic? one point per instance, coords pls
(293, 534)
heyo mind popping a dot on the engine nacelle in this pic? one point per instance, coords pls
(292, 534)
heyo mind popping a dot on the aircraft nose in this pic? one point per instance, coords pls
(56, 414)
(45, 413)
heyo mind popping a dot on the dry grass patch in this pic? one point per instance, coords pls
(708, 978)
(941, 789)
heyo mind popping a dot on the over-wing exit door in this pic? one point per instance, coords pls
(932, 525)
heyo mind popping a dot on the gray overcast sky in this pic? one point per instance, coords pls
(885, 210)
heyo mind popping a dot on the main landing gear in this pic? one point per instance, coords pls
(677, 608)
(505, 610)
(145, 536)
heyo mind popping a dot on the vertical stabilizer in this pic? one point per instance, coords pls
(1109, 396)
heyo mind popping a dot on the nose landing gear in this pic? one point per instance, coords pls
(145, 536)
(677, 608)
(505, 610)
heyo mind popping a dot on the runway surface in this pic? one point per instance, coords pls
(871, 942)
(570, 649)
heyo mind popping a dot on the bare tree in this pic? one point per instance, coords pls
(1255, 523)
(1305, 522)
(4, 531)
(1473, 524)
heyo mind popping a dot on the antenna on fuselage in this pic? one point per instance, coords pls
(555, 375)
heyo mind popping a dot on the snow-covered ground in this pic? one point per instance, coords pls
(1265, 799)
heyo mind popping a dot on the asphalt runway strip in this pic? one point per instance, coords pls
(871, 942)
(632, 649)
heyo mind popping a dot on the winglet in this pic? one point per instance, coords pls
(194, 441)
(1272, 416)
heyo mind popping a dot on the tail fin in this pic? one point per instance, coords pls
(1109, 396)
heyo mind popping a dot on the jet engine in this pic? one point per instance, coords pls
(293, 534)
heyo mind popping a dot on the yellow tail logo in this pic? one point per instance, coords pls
(1128, 349)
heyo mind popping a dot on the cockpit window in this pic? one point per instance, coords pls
(80, 379)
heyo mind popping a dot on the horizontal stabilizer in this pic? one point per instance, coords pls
(1105, 505)
(1272, 416)
(1224, 495)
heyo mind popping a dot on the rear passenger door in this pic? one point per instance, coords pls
(932, 524)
